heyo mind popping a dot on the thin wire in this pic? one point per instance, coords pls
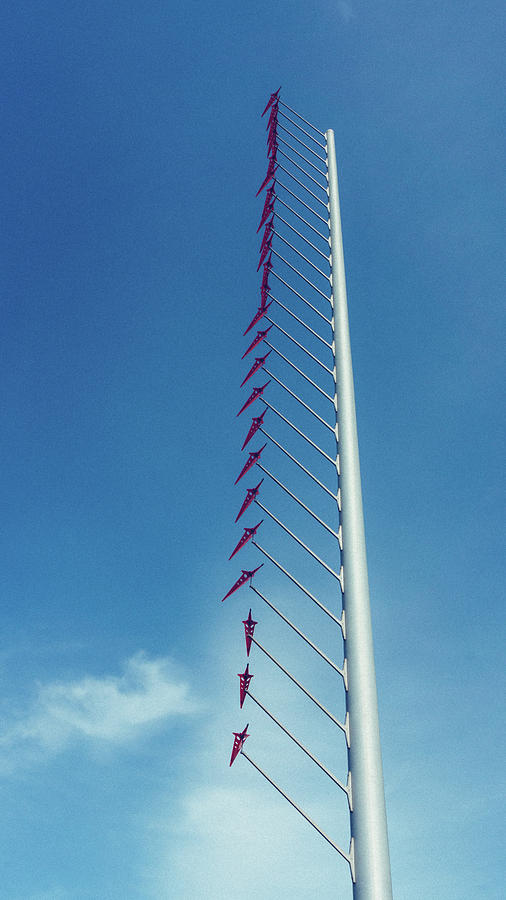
(299, 585)
(302, 747)
(292, 289)
(301, 346)
(302, 403)
(310, 136)
(310, 283)
(300, 372)
(302, 185)
(306, 438)
(301, 219)
(289, 158)
(299, 464)
(281, 141)
(299, 810)
(280, 125)
(301, 687)
(300, 502)
(299, 632)
(301, 322)
(277, 215)
(310, 208)
(282, 103)
(297, 539)
(288, 244)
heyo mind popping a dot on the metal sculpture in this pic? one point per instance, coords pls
(301, 222)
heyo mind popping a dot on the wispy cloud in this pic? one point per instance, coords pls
(111, 710)
(221, 843)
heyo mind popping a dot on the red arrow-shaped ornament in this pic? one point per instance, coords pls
(259, 337)
(244, 682)
(240, 581)
(257, 392)
(249, 627)
(271, 171)
(253, 458)
(250, 496)
(239, 738)
(256, 423)
(248, 534)
(272, 99)
(259, 361)
(258, 315)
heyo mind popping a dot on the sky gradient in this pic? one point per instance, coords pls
(132, 150)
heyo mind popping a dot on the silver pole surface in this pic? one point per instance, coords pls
(368, 819)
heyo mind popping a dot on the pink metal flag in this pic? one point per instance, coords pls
(248, 534)
(249, 628)
(273, 115)
(273, 134)
(253, 458)
(259, 337)
(267, 233)
(267, 269)
(240, 581)
(270, 197)
(257, 392)
(256, 423)
(271, 171)
(264, 293)
(244, 682)
(259, 361)
(272, 151)
(239, 738)
(272, 99)
(258, 315)
(265, 249)
(251, 494)
(268, 210)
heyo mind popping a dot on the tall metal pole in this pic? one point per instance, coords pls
(368, 818)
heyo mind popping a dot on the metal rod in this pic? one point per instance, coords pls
(300, 586)
(297, 539)
(301, 155)
(349, 859)
(280, 236)
(310, 283)
(284, 128)
(304, 324)
(278, 198)
(299, 233)
(300, 633)
(292, 289)
(306, 438)
(317, 183)
(300, 502)
(302, 185)
(368, 818)
(296, 342)
(302, 403)
(310, 136)
(306, 377)
(310, 208)
(299, 464)
(299, 744)
(282, 103)
(301, 687)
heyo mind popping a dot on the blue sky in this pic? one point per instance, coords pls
(132, 149)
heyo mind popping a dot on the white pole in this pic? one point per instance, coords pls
(368, 819)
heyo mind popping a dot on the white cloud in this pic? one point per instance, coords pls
(113, 710)
(222, 845)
